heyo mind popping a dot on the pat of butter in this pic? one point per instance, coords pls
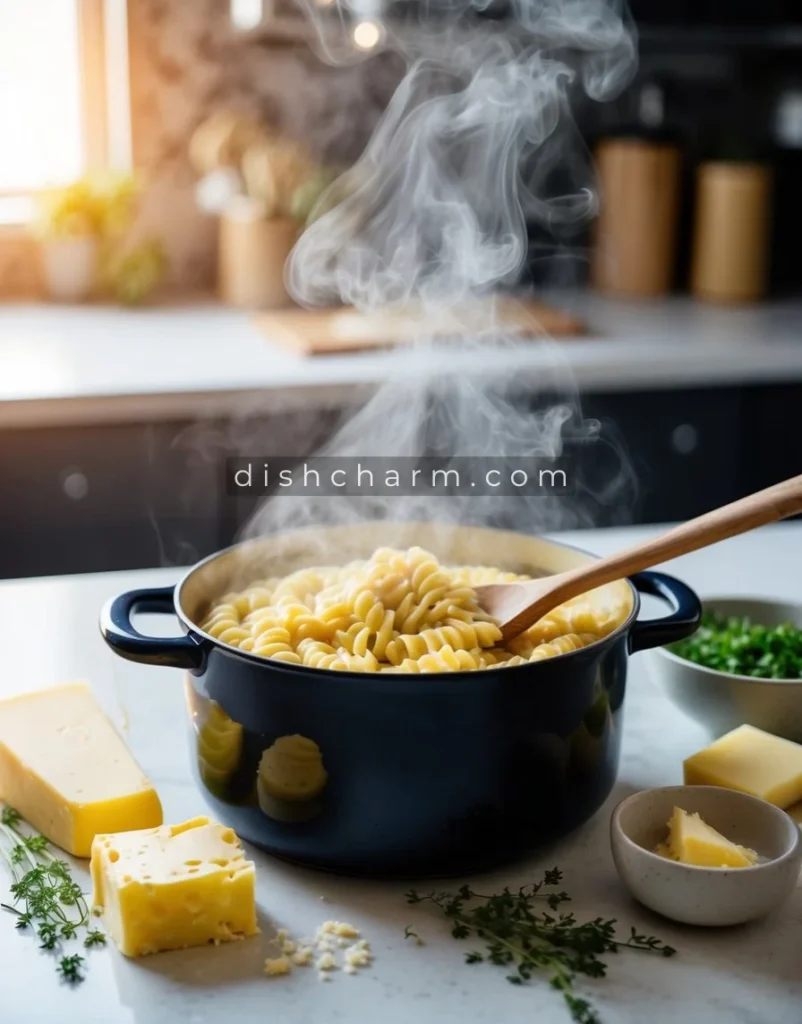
(173, 887)
(692, 841)
(751, 761)
(67, 772)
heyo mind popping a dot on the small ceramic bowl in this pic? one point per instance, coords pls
(706, 896)
(721, 701)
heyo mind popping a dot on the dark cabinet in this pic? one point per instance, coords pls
(90, 499)
(686, 449)
(772, 438)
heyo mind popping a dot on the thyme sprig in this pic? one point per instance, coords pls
(53, 905)
(518, 934)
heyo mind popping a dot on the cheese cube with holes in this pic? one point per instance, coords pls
(173, 886)
(67, 772)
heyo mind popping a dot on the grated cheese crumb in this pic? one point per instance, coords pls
(321, 950)
(326, 962)
(358, 955)
(302, 957)
(341, 929)
(277, 966)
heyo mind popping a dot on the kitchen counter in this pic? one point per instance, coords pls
(70, 365)
(747, 975)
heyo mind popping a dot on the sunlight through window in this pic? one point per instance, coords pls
(40, 94)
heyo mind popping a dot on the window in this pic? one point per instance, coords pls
(63, 94)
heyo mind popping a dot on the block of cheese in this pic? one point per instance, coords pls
(173, 886)
(67, 771)
(752, 761)
(692, 841)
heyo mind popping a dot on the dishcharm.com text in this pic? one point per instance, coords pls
(401, 475)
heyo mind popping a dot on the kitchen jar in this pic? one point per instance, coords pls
(731, 231)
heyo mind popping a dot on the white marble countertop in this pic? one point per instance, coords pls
(746, 975)
(61, 365)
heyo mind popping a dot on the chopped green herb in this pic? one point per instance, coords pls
(518, 935)
(410, 933)
(10, 817)
(738, 646)
(70, 968)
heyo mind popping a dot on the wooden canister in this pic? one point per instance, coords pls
(636, 230)
(252, 254)
(731, 231)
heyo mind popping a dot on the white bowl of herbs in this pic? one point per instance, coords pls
(742, 666)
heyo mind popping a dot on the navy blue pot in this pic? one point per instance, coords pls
(424, 774)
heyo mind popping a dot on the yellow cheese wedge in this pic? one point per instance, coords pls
(692, 841)
(751, 761)
(67, 772)
(173, 886)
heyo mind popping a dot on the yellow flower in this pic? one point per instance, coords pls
(102, 206)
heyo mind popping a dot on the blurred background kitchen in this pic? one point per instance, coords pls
(158, 160)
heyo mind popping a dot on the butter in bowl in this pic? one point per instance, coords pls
(705, 855)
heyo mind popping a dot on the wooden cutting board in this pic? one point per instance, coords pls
(320, 331)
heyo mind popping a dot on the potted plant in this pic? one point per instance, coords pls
(82, 230)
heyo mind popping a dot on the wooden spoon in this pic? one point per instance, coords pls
(517, 606)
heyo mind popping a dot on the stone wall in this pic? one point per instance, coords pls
(187, 61)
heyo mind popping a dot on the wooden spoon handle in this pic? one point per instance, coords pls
(766, 506)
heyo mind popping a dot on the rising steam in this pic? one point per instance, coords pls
(477, 143)
(436, 208)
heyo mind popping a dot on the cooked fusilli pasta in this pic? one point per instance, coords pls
(399, 611)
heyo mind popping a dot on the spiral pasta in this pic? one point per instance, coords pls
(399, 611)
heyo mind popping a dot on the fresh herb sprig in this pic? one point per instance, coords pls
(53, 905)
(737, 645)
(519, 935)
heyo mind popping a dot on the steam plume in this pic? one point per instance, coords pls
(436, 208)
(477, 142)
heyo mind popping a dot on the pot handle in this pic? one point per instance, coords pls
(120, 635)
(684, 618)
